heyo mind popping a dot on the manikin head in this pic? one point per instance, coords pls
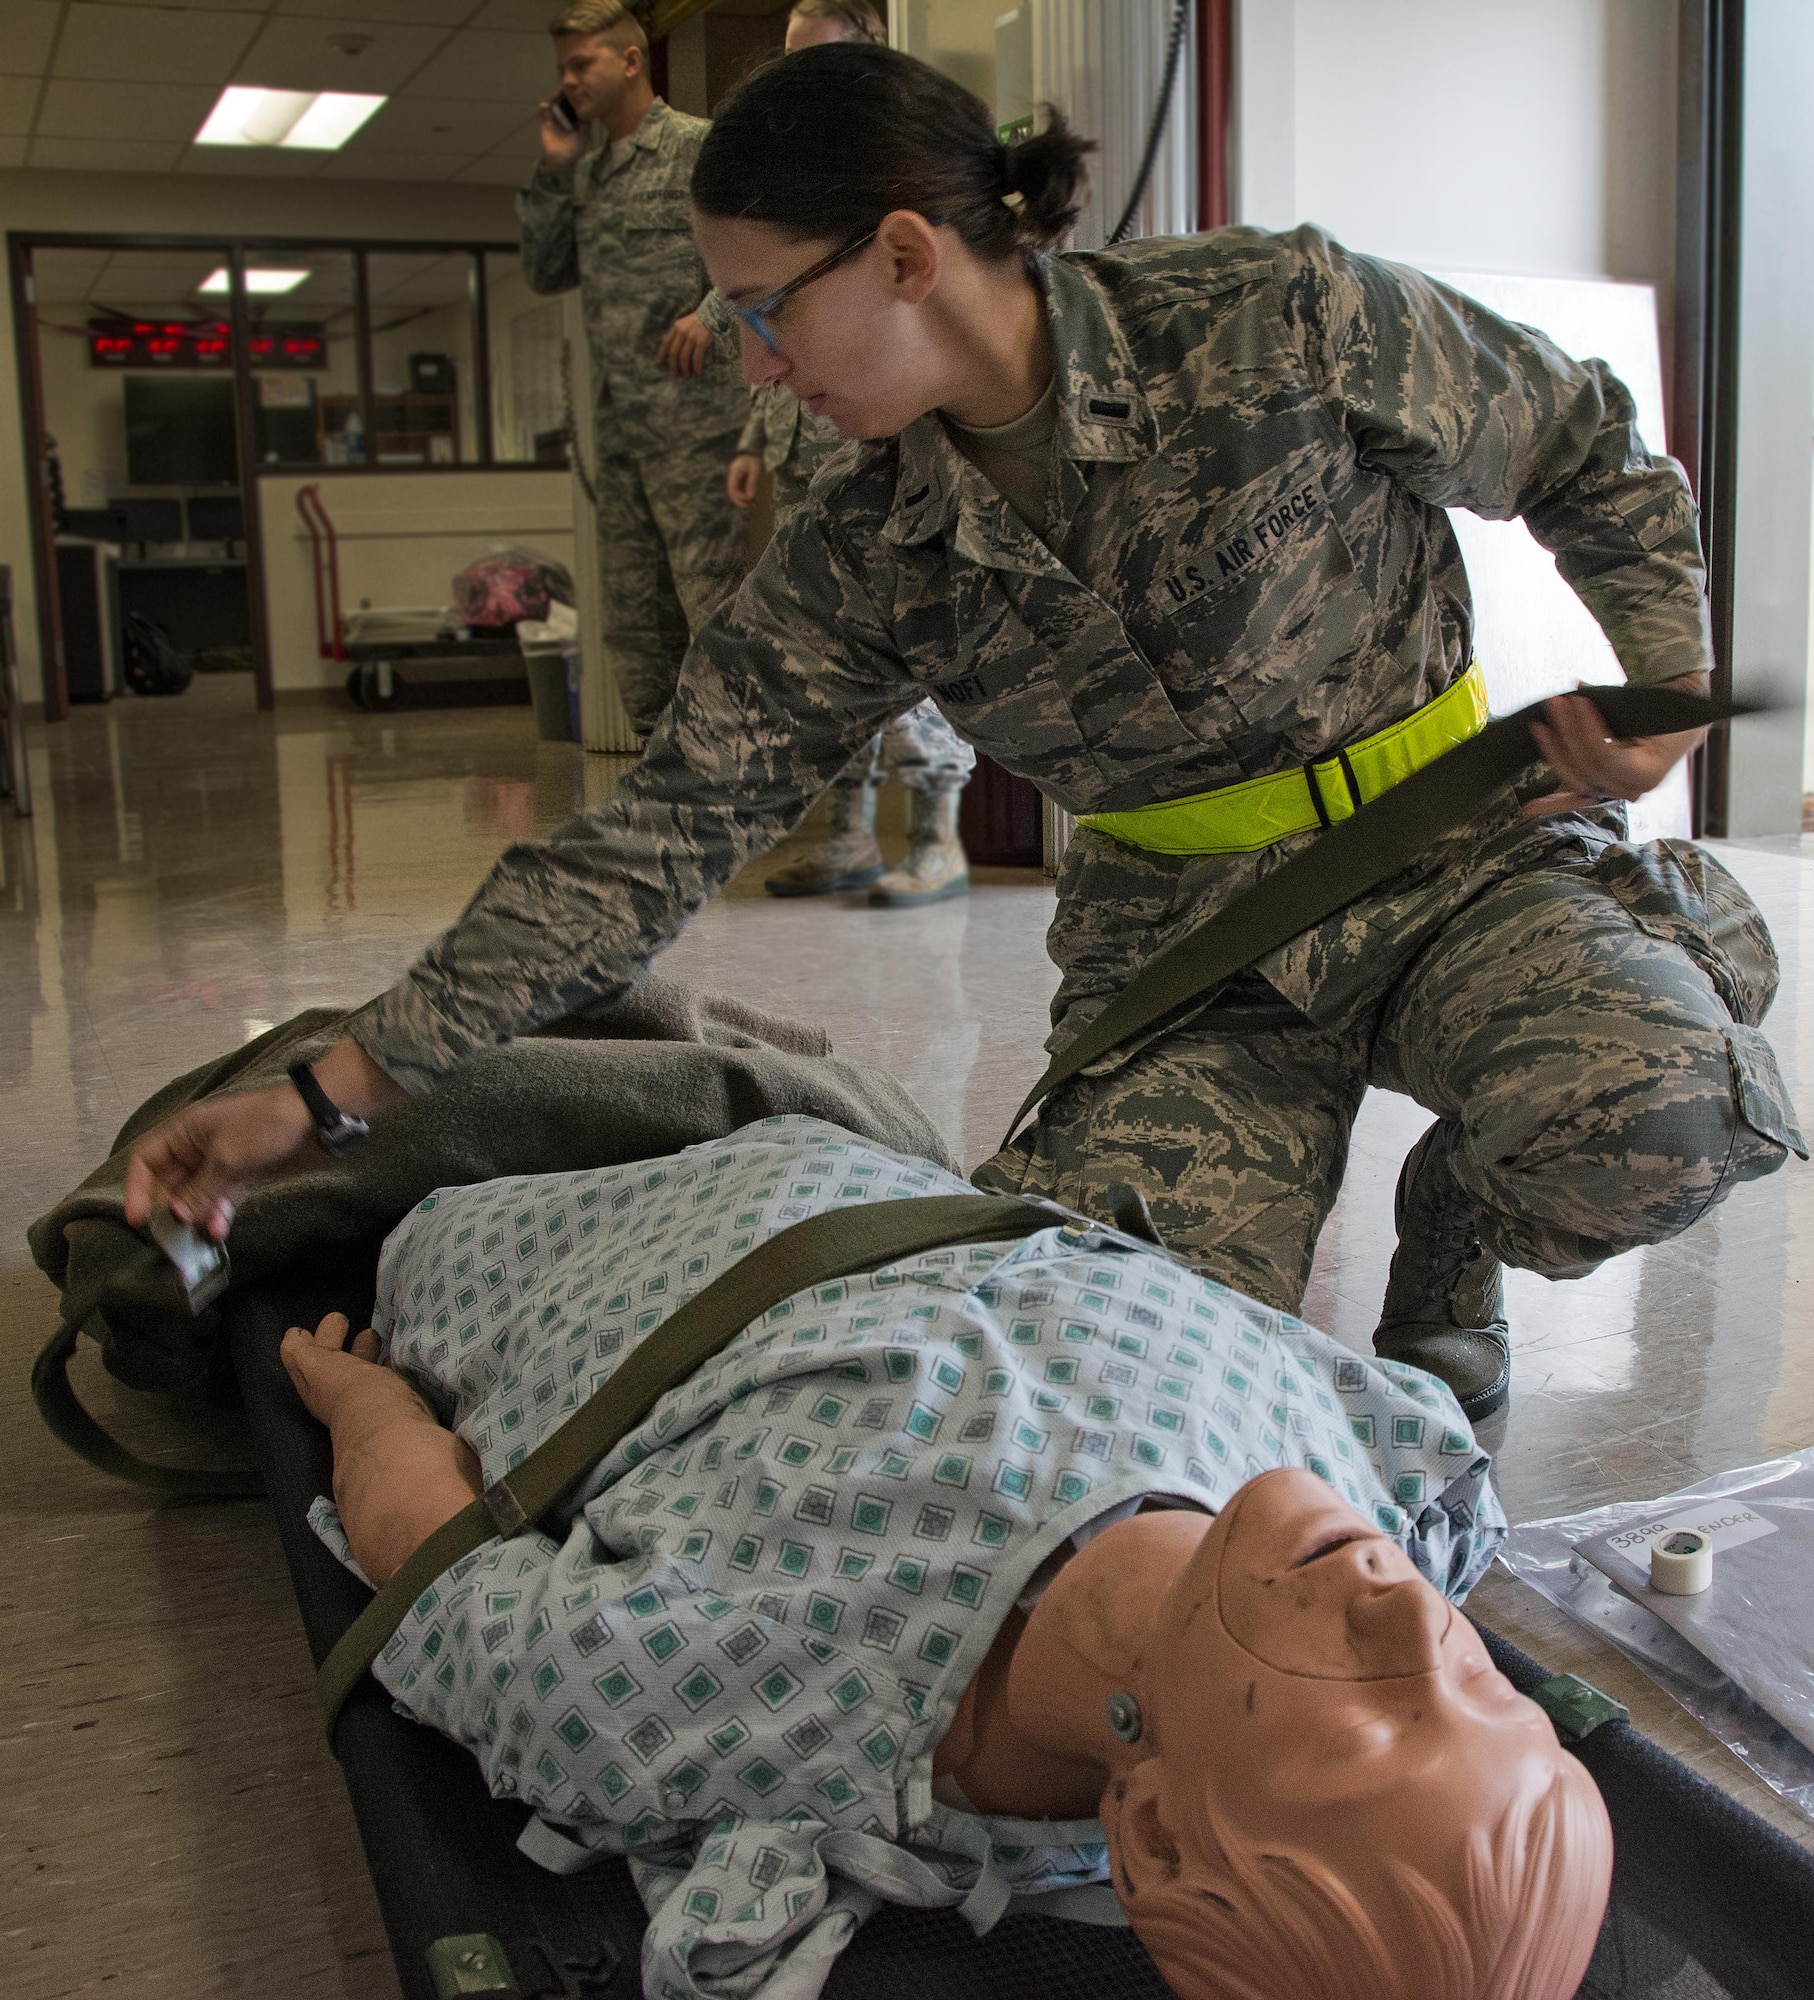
(603, 55)
(810, 22)
(1334, 1792)
(850, 147)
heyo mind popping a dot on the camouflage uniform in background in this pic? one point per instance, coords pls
(671, 545)
(920, 748)
(1248, 566)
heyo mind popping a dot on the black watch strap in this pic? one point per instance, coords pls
(336, 1129)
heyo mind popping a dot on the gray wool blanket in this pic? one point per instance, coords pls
(662, 1068)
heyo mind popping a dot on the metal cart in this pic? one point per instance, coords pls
(373, 680)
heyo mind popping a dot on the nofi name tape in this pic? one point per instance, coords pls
(1681, 1564)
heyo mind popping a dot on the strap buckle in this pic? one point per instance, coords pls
(505, 1509)
(1315, 783)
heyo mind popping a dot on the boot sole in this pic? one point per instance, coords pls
(896, 899)
(1488, 1401)
(861, 879)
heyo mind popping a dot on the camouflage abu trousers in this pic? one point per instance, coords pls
(919, 750)
(671, 549)
(1584, 1029)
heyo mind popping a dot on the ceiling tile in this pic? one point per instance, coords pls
(102, 111)
(506, 169)
(12, 152)
(265, 162)
(524, 17)
(508, 69)
(298, 54)
(150, 44)
(425, 13)
(118, 156)
(31, 26)
(408, 277)
(255, 7)
(429, 125)
(66, 266)
(19, 99)
(153, 274)
(349, 166)
(57, 287)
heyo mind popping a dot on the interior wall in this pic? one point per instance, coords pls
(196, 204)
(1771, 572)
(402, 538)
(956, 36)
(1529, 137)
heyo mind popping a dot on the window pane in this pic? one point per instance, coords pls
(305, 368)
(138, 379)
(528, 395)
(423, 372)
(139, 404)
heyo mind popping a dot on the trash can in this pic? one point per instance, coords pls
(549, 667)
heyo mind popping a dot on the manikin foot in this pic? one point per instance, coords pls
(1445, 1298)
(936, 866)
(847, 857)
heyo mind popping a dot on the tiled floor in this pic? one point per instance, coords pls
(195, 872)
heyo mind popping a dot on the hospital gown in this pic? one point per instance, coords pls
(735, 1660)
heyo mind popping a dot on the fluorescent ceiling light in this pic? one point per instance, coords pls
(331, 120)
(319, 120)
(257, 281)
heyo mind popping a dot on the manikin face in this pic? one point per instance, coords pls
(1360, 1686)
(596, 75)
(853, 343)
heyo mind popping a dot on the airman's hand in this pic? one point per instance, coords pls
(685, 346)
(1595, 768)
(561, 149)
(200, 1162)
(744, 476)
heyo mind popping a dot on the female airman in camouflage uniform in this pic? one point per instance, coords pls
(1229, 557)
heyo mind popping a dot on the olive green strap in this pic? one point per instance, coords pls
(62, 1409)
(813, 1252)
(1353, 856)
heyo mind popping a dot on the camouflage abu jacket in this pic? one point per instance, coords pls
(623, 234)
(1248, 567)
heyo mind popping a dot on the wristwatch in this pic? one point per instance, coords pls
(336, 1129)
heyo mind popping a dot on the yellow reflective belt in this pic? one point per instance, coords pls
(1237, 819)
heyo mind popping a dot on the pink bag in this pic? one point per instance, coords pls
(507, 585)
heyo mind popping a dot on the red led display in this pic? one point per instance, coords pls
(199, 343)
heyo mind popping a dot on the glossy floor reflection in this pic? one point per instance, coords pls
(196, 872)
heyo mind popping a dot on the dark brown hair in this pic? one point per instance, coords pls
(825, 143)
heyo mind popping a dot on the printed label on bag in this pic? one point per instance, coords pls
(1727, 1524)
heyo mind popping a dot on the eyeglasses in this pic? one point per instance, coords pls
(756, 317)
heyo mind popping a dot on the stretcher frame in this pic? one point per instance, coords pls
(1699, 1881)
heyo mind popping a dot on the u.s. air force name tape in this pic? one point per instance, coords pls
(1681, 1564)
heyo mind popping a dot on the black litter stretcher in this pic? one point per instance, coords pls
(1708, 1899)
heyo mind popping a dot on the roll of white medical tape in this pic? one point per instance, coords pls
(1681, 1564)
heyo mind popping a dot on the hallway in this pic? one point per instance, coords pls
(196, 872)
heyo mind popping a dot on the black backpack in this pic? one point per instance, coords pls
(152, 664)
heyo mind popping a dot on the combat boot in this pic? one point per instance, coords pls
(1445, 1298)
(847, 857)
(936, 866)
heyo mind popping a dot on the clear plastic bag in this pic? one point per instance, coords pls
(1755, 1635)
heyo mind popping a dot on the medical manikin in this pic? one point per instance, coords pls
(1311, 1777)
